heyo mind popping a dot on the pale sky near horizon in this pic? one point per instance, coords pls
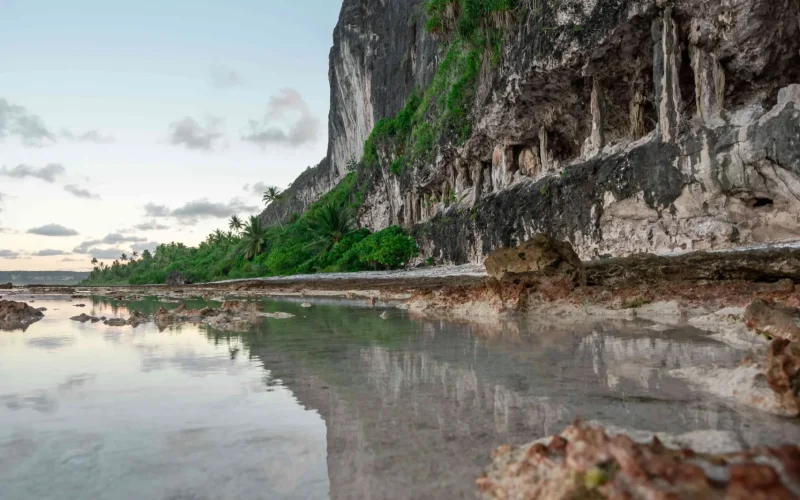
(127, 124)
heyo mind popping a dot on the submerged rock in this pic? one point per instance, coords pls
(17, 315)
(278, 315)
(115, 322)
(234, 315)
(540, 254)
(586, 462)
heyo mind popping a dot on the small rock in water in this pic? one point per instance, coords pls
(385, 315)
(83, 318)
(41, 309)
(305, 304)
(115, 322)
(79, 305)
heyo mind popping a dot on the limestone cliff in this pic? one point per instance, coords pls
(380, 52)
(620, 125)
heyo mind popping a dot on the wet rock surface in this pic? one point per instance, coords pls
(17, 315)
(586, 462)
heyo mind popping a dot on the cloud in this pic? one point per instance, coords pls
(47, 173)
(289, 109)
(9, 254)
(223, 76)
(17, 121)
(141, 247)
(153, 210)
(150, 226)
(80, 192)
(200, 209)
(71, 259)
(90, 136)
(258, 188)
(109, 239)
(190, 133)
(53, 230)
(105, 253)
(49, 253)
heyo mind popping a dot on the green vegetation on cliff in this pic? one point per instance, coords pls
(323, 239)
(474, 30)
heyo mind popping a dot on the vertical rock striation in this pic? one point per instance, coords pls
(622, 126)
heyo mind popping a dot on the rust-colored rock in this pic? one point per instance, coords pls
(586, 462)
(540, 254)
(783, 371)
(17, 315)
(769, 319)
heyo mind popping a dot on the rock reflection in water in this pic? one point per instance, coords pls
(417, 417)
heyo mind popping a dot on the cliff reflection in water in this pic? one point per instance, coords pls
(413, 407)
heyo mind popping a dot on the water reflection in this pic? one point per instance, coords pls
(334, 402)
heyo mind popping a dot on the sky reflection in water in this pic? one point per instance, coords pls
(335, 402)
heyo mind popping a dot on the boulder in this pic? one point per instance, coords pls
(539, 255)
(175, 278)
(17, 315)
(587, 461)
(6, 286)
(773, 320)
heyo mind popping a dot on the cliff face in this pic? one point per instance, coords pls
(620, 125)
(380, 52)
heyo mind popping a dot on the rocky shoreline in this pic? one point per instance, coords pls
(746, 299)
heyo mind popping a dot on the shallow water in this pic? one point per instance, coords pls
(335, 402)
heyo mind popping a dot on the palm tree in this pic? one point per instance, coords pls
(123, 257)
(94, 261)
(332, 222)
(255, 237)
(135, 254)
(219, 236)
(271, 195)
(235, 224)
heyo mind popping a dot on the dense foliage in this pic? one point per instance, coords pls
(324, 239)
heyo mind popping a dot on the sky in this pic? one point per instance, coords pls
(128, 124)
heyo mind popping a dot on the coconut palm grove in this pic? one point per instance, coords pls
(323, 239)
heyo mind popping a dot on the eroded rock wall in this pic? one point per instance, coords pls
(622, 126)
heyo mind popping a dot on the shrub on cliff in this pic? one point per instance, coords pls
(390, 248)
